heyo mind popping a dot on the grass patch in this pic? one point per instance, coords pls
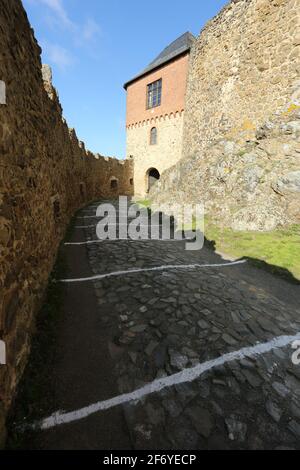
(35, 397)
(144, 203)
(278, 251)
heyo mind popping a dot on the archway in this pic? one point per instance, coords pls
(153, 176)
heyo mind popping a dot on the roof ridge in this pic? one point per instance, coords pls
(186, 34)
(179, 46)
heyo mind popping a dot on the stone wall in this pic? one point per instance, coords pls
(241, 125)
(45, 175)
(244, 67)
(249, 186)
(161, 156)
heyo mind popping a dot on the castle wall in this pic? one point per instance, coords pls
(244, 67)
(242, 120)
(161, 156)
(45, 175)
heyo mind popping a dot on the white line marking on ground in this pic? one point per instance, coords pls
(117, 225)
(156, 268)
(187, 375)
(89, 242)
(88, 217)
(103, 217)
(94, 208)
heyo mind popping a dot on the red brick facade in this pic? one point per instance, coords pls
(174, 80)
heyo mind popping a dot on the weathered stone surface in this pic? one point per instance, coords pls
(177, 360)
(202, 421)
(237, 314)
(173, 408)
(151, 347)
(47, 74)
(281, 389)
(289, 182)
(237, 430)
(294, 427)
(167, 152)
(241, 135)
(41, 187)
(274, 410)
(46, 174)
(138, 328)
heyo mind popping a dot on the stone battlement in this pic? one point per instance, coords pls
(157, 119)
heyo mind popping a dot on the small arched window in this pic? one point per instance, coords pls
(153, 136)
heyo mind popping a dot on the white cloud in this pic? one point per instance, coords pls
(58, 55)
(82, 33)
(60, 12)
(90, 29)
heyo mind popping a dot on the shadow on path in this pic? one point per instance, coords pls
(73, 357)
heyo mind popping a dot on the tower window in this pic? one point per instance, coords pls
(153, 136)
(154, 94)
(114, 184)
(56, 210)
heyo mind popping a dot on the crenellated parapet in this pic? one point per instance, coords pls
(157, 119)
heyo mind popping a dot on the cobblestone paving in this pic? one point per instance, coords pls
(158, 323)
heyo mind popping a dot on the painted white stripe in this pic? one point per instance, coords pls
(187, 375)
(94, 208)
(90, 242)
(117, 225)
(156, 268)
(89, 217)
(103, 217)
(90, 208)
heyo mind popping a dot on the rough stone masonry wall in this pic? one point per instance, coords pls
(45, 175)
(241, 127)
(162, 155)
(244, 68)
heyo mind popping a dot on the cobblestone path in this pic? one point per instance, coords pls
(159, 323)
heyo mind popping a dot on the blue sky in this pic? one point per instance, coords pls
(95, 46)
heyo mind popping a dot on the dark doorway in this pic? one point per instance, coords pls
(114, 184)
(56, 210)
(153, 177)
(82, 191)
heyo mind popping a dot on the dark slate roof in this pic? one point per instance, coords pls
(179, 46)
